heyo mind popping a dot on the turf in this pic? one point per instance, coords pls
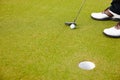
(36, 45)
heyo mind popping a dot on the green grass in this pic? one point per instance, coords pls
(36, 45)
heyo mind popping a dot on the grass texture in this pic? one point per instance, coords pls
(36, 45)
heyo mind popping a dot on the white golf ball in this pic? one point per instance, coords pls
(87, 65)
(72, 26)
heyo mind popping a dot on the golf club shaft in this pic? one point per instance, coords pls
(83, 2)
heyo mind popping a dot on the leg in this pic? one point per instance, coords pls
(115, 30)
(115, 6)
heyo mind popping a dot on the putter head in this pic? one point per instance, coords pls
(69, 23)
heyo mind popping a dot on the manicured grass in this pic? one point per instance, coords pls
(36, 45)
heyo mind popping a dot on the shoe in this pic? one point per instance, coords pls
(106, 15)
(113, 31)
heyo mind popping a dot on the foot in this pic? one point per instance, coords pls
(113, 31)
(106, 15)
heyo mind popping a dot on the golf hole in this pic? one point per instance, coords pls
(86, 65)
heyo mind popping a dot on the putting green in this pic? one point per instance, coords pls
(36, 45)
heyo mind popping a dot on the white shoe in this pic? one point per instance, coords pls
(100, 16)
(113, 31)
(106, 15)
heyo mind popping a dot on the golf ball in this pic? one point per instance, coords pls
(72, 26)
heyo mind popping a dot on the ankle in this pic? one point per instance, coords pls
(117, 26)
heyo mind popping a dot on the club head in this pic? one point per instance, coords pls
(69, 23)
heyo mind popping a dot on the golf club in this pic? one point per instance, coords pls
(74, 22)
